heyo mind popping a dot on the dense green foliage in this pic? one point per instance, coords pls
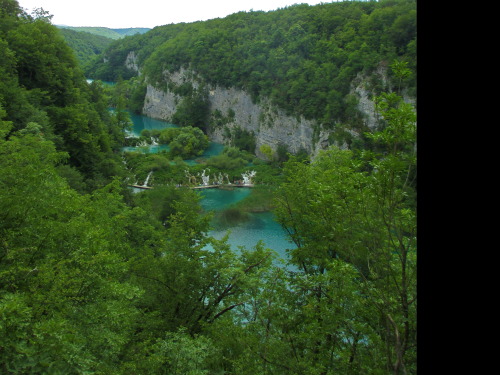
(165, 170)
(231, 158)
(95, 280)
(43, 90)
(192, 110)
(186, 142)
(85, 45)
(355, 215)
(303, 57)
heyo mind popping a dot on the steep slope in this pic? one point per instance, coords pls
(85, 45)
(314, 67)
(43, 91)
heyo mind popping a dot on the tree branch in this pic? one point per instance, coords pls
(225, 311)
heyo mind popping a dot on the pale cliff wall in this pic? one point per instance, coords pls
(131, 62)
(270, 124)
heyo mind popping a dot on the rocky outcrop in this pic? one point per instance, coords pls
(360, 87)
(159, 104)
(365, 105)
(131, 62)
(270, 125)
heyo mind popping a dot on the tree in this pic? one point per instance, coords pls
(65, 301)
(267, 151)
(44, 86)
(197, 279)
(192, 111)
(187, 142)
(177, 353)
(360, 209)
(395, 187)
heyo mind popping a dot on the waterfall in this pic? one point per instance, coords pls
(205, 179)
(247, 177)
(147, 179)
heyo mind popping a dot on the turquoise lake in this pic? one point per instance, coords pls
(260, 226)
(142, 122)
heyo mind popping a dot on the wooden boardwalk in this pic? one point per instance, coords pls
(224, 186)
(141, 186)
(221, 186)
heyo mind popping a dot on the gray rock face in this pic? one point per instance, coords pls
(271, 125)
(131, 62)
(366, 106)
(158, 104)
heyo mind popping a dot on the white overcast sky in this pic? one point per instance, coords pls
(147, 13)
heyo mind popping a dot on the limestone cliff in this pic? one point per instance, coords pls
(131, 62)
(270, 125)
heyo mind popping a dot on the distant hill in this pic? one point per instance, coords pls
(85, 45)
(131, 31)
(107, 32)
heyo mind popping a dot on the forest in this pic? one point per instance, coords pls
(95, 279)
(85, 45)
(89, 42)
(302, 57)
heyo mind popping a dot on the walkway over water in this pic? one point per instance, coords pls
(224, 186)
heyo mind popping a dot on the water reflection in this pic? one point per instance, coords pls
(259, 226)
(141, 123)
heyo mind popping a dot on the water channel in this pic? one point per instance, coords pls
(259, 226)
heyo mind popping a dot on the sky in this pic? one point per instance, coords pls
(116, 14)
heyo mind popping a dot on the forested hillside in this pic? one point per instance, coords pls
(96, 280)
(303, 57)
(85, 45)
(88, 42)
(43, 91)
